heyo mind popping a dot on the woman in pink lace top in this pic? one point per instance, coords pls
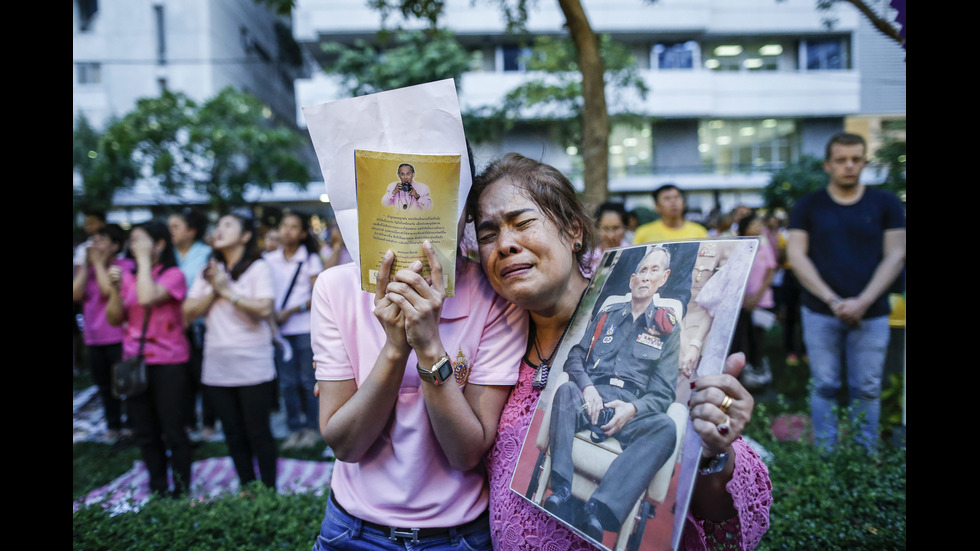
(534, 238)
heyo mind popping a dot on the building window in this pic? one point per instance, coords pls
(770, 55)
(825, 54)
(679, 55)
(161, 34)
(630, 150)
(251, 46)
(514, 58)
(730, 146)
(89, 73)
(86, 13)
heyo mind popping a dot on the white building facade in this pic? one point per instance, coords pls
(124, 50)
(738, 88)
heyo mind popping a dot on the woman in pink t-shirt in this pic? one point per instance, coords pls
(156, 290)
(236, 294)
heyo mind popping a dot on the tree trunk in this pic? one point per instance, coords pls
(595, 117)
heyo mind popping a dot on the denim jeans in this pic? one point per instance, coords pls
(296, 380)
(831, 345)
(340, 530)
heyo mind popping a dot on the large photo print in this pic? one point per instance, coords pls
(610, 451)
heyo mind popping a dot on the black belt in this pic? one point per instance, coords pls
(628, 386)
(481, 522)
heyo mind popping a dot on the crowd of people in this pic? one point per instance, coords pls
(223, 326)
(426, 400)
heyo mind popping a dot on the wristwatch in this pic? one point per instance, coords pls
(712, 465)
(439, 373)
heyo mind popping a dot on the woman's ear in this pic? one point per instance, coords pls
(575, 234)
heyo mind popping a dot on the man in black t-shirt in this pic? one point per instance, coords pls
(846, 248)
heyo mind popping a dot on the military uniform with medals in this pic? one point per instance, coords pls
(633, 361)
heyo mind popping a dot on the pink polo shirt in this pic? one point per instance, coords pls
(98, 330)
(166, 341)
(414, 487)
(238, 348)
(309, 265)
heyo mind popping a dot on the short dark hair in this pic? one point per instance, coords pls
(550, 190)
(195, 220)
(666, 187)
(844, 138)
(97, 213)
(408, 165)
(115, 233)
(612, 206)
(312, 243)
(744, 223)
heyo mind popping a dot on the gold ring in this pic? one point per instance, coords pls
(725, 404)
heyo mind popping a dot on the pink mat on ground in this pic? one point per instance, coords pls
(209, 478)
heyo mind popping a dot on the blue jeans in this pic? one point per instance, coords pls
(831, 344)
(296, 380)
(343, 531)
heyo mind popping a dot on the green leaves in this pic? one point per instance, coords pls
(406, 58)
(219, 149)
(844, 499)
(807, 175)
(891, 157)
(254, 519)
(794, 181)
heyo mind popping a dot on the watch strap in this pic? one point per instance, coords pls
(712, 465)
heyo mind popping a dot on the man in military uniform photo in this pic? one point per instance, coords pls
(625, 364)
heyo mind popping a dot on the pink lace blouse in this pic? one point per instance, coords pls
(515, 524)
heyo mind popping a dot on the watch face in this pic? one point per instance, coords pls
(445, 371)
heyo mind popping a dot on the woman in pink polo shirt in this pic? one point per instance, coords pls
(235, 292)
(411, 385)
(103, 341)
(156, 289)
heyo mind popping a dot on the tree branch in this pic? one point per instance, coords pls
(883, 25)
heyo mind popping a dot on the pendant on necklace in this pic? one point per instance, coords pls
(540, 376)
